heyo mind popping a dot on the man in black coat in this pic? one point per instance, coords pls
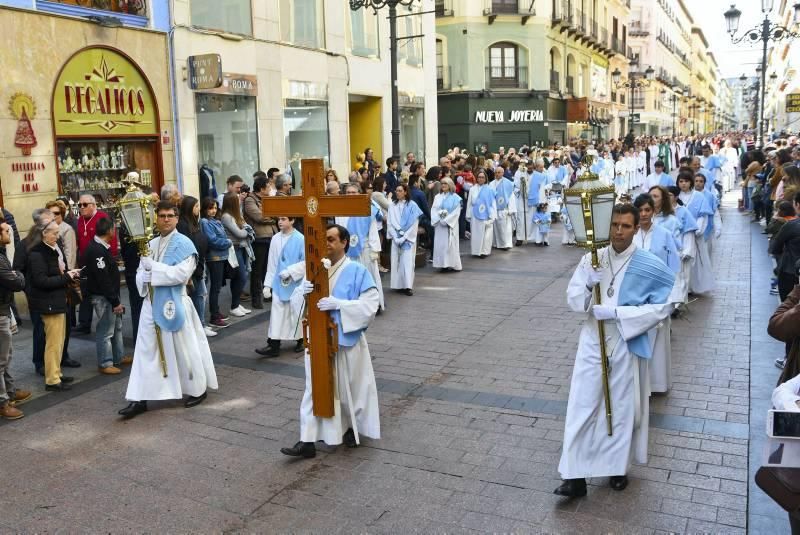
(10, 282)
(785, 247)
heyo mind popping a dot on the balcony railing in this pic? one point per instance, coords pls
(444, 8)
(604, 38)
(638, 102)
(555, 84)
(505, 7)
(135, 7)
(443, 78)
(570, 85)
(638, 27)
(595, 30)
(617, 45)
(502, 77)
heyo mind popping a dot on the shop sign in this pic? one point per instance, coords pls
(514, 116)
(100, 92)
(793, 103)
(237, 84)
(205, 71)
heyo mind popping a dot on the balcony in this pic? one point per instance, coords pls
(555, 84)
(506, 77)
(617, 45)
(443, 78)
(605, 47)
(129, 14)
(638, 28)
(444, 8)
(638, 102)
(571, 85)
(506, 7)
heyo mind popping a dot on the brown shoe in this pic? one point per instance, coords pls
(110, 370)
(10, 412)
(126, 361)
(21, 396)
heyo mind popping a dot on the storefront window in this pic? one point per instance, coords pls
(302, 22)
(412, 131)
(362, 34)
(227, 136)
(305, 124)
(232, 16)
(129, 7)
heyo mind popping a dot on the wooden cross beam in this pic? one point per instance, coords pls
(319, 331)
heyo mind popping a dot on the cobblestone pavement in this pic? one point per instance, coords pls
(473, 375)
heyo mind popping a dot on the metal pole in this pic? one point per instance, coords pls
(393, 60)
(765, 40)
(674, 100)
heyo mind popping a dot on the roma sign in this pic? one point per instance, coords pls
(100, 92)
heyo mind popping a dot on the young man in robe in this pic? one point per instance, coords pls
(365, 242)
(352, 305)
(658, 178)
(163, 275)
(635, 287)
(506, 209)
(285, 270)
(522, 182)
(697, 203)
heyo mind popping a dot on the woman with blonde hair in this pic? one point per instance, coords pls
(749, 183)
(65, 231)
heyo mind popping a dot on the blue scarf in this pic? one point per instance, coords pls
(534, 184)
(647, 281)
(293, 252)
(377, 213)
(663, 245)
(408, 217)
(450, 202)
(359, 234)
(481, 208)
(167, 306)
(503, 193)
(352, 282)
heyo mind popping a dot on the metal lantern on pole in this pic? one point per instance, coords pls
(590, 204)
(137, 211)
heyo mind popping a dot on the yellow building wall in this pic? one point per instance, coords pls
(49, 41)
(365, 129)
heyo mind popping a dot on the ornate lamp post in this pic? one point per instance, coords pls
(590, 204)
(675, 97)
(636, 81)
(765, 32)
(376, 5)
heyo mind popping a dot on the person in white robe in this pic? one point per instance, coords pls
(169, 314)
(403, 224)
(522, 182)
(620, 172)
(701, 281)
(652, 153)
(286, 268)
(481, 215)
(352, 305)
(630, 171)
(365, 241)
(687, 239)
(641, 167)
(657, 178)
(730, 167)
(635, 286)
(506, 209)
(445, 213)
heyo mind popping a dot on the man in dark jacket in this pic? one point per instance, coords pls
(102, 284)
(10, 282)
(390, 176)
(785, 246)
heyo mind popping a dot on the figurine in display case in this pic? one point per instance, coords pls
(69, 163)
(121, 157)
(114, 161)
(103, 159)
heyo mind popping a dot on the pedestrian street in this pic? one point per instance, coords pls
(473, 374)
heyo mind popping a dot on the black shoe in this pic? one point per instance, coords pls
(349, 439)
(67, 379)
(572, 488)
(134, 408)
(82, 329)
(299, 347)
(258, 304)
(408, 291)
(306, 450)
(618, 482)
(517, 243)
(193, 401)
(58, 387)
(69, 363)
(40, 371)
(379, 312)
(269, 351)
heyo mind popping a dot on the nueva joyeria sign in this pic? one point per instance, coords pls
(515, 116)
(99, 91)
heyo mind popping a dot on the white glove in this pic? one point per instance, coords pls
(146, 262)
(374, 255)
(146, 276)
(267, 292)
(489, 222)
(308, 287)
(501, 214)
(717, 232)
(328, 303)
(284, 275)
(442, 214)
(603, 312)
(593, 276)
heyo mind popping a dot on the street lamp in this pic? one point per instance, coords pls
(675, 96)
(636, 81)
(355, 5)
(767, 31)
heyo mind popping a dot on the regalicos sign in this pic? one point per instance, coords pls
(101, 93)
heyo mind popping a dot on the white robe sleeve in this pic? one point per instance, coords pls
(374, 239)
(702, 223)
(579, 297)
(411, 235)
(717, 223)
(635, 320)
(689, 245)
(469, 204)
(437, 206)
(297, 271)
(785, 396)
(272, 261)
(358, 313)
(164, 275)
(492, 213)
(452, 218)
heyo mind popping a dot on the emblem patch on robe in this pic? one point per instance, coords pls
(353, 240)
(101, 263)
(501, 201)
(482, 208)
(169, 309)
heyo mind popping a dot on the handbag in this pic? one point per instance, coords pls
(74, 296)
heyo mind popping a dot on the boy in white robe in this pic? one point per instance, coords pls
(506, 209)
(352, 306)
(286, 268)
(186, 354)
(628, 311)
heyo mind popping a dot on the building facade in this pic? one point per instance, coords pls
(511, 73)
(86, 101)
(783, 63)
(743, 96)
(301, 79)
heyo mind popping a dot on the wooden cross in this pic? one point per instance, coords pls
(319, 332)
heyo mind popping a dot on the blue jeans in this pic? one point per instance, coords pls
(198, 297)
(238, 283)
(109, 333)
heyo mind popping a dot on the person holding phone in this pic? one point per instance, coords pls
(102, 284)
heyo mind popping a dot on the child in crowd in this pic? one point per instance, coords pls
(568, 237)
(542, 221)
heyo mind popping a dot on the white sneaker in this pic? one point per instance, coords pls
(245, 310)
(238, 312)
(209, 332)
